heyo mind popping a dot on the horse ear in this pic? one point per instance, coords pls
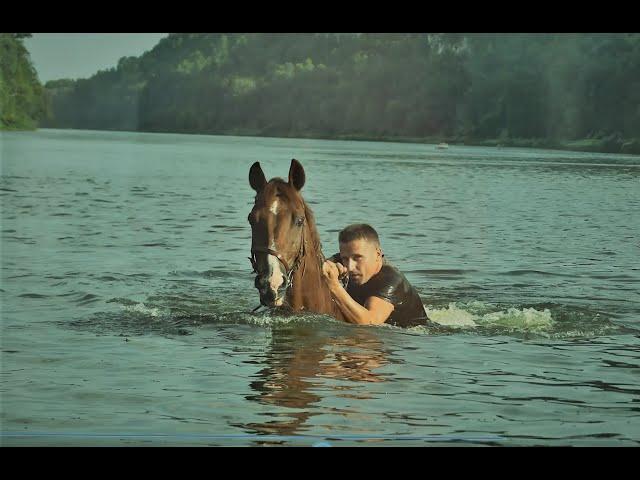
(257, 179)
(296, 175)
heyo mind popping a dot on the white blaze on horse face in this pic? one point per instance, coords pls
(275, 267)
(277, 277)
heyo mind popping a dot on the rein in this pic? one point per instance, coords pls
(288, 271)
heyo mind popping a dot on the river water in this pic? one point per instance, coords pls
(126, 295)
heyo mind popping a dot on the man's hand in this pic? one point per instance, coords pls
(343, 271)
(374, 312)
(331, 272)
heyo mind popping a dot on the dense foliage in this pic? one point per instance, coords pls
(22, 97)
(565, 90)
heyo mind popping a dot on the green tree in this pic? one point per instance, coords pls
(544, 89)
(23, 101)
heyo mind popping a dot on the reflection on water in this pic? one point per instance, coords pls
(299, 360)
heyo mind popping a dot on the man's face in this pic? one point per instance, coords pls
(362, 259)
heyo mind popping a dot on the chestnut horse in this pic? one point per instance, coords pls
(286, 253)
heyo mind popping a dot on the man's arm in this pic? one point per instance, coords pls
(375, 312)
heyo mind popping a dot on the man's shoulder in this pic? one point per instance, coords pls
(390, 274)
(386, 281)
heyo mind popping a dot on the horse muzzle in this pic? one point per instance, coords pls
(270, 296)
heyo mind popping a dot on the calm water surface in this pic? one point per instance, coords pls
(126, 293)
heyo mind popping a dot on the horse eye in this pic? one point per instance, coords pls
(299, 221)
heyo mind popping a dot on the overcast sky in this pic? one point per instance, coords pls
(80, 55)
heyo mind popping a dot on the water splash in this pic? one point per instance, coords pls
(153, 312)
(543, 320)
(475, 316)
(452, 316)
(524, 320)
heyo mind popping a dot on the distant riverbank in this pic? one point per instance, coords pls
(598, 145)
(18, 127)
(609, 144)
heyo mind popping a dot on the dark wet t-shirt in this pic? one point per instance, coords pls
(391, 285)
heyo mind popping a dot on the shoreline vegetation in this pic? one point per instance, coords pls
(596, 145)
(576, 92)
(586, 145)
(22, 96)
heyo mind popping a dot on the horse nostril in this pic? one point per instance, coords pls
(268, 296)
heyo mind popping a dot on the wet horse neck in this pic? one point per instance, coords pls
(309, 291)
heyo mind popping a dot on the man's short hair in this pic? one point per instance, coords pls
(358, 231)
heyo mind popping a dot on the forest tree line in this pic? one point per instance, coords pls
(579, 91)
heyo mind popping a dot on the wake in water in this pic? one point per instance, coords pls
(541, 320)
(477, 315)
(184, 314)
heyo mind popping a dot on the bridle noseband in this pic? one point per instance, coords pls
(288, 271)
(275, 253)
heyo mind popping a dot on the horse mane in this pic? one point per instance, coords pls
(313, 230)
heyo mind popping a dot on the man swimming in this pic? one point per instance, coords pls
(377, 292)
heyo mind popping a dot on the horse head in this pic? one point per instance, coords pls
(278, 227)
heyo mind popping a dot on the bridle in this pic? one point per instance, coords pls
(288, 271)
